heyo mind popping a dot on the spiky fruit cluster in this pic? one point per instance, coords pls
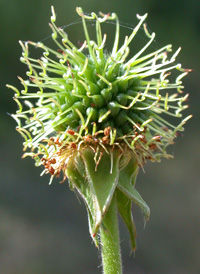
(88, 98)
(86, 94)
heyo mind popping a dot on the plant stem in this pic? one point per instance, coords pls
(110, 247)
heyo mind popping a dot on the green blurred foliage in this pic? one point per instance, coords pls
(43, 229)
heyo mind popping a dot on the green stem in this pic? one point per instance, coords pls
(110, 247)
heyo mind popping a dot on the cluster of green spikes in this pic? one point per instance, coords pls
(83, 103)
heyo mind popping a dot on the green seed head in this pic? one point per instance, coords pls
(76, 97)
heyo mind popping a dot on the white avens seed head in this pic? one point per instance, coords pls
(87, 96)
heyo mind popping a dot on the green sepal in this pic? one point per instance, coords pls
(124, 205)
(128, 174)
(133, 194)
(77, 180)
(128, 169)
(126, 184)
(91, 225)
(102, 179)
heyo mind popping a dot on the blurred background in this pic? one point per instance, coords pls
(43, 229)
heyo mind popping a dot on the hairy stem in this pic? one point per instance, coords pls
(110, 246)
